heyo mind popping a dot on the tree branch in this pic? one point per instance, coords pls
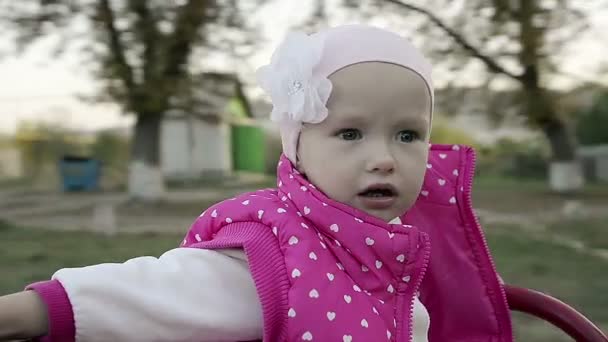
(189, 20)
(459, 39)
(124, 70)
(146, 28)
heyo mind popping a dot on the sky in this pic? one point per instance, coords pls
(37, 86)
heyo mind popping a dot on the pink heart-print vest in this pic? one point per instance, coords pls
(325, 271)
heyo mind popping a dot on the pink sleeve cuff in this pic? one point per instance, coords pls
(60, 314)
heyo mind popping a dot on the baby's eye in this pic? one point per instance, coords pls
(350, 134)
(407, 136)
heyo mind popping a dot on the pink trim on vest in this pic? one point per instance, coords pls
(267, 266)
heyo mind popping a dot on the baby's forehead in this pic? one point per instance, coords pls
(375, 88)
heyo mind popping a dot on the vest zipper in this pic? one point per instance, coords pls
(411, 291)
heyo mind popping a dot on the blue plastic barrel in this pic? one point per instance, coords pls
(79, 173)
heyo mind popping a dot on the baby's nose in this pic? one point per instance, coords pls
(382, 163)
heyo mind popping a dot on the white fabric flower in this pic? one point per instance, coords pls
(297, 94)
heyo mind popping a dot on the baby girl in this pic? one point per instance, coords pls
(339, 251)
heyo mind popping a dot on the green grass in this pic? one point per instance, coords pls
(529, 195)
(28, 255)
(574, 277)
(592, 232)
(524, 256)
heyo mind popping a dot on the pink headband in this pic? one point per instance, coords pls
(297, 77)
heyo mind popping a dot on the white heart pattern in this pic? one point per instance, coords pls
(347, 338)
(331, 316)
(378, 264)
(364, 323)
(453, 200)
(330, 276)
(364, 268)
(334, 228)
(275, 231)
(390, 288)
(291, 313)
(228, 220)
(406, 279)
(455, 172)
(401, 258)
(391, 235)
(295, 273)
(369, 241)
(198, 238)
(281, 211)
(214, 213)
(307, 336)
(429, 166)
(304, 225)
(293, 240)
(260, 214)
(245, 202)
(443, 155)
(312, 256)
(303, 188)
(313, 293)
(424, 193)
(356, 288)
(347, 299)
(306, 210)
(441, 182)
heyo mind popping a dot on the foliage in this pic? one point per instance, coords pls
(516, 159)
(442, 133)
(592, 124)
(42, 145)
(143, 53)
(518, 43)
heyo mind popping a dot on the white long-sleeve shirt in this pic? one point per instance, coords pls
(186, 294)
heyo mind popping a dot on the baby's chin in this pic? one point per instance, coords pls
(386, 215)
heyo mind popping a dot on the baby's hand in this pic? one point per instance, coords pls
(23, 315)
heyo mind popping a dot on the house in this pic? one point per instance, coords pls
(11, 163)
(196, 135)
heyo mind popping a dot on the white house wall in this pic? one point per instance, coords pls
(191, 150)
(10, 163)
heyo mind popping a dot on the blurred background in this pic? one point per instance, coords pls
(122, 120)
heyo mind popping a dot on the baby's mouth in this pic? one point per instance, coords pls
(377, 193)
(378, 196)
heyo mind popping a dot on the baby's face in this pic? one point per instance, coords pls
(371, 151)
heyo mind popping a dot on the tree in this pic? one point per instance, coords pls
(591, 128)
(141, 51)
(518, 41)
